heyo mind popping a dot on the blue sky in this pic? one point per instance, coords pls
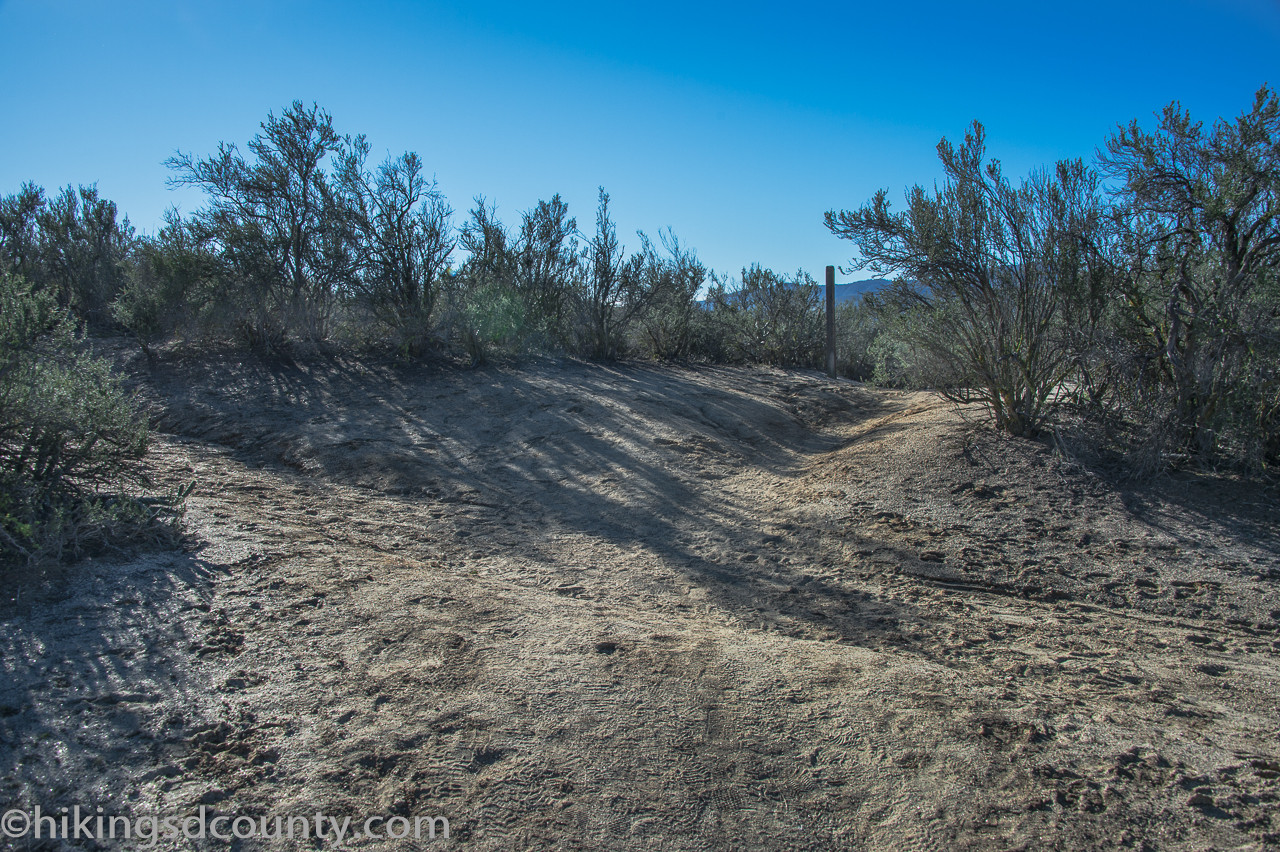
(738, 125)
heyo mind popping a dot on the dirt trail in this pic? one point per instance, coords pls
(583, 607)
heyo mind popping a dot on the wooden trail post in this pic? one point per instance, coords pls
(831, 321)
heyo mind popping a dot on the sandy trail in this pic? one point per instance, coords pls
(582, 607)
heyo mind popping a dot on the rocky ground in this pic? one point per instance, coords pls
(573, 606)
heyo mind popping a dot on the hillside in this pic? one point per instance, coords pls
(853, 290)
(849, 291)
(585, 606)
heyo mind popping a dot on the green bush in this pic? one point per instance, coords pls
(484, 317)
(1194, 253)
(71, 439)
(668, 324)
(72, 245)
(772, 319)
(857, 331)
(173, 286)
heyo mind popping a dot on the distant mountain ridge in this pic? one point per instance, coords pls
(853, 290)
(850, 291)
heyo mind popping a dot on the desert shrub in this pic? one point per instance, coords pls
(857, 330)
(901, 352)
(173, 286)
(546, 272)
(611, 289)
(771, 319)
(536, 290)
(19, 234)
(83, 248)
(71, 438)
(1195, 252)
(712, 328)
(483, 309)
(986, 267)
(280, 225)
(668, 325)
(72, 246)
(402, 244)
(485, 317)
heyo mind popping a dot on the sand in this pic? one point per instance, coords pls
(579, 606)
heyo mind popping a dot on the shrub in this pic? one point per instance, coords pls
(772, 319)
(71, 245)
(611, 289)
(987, 267)
(1195, 255)
(71, 438)
(857, 330)
(669, 321)
(173, 285)
(402, 243)
(484, 309)
(279, 224)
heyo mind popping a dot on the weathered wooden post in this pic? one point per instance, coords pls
(831, 321)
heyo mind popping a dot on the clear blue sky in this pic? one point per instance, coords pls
(736, 124)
